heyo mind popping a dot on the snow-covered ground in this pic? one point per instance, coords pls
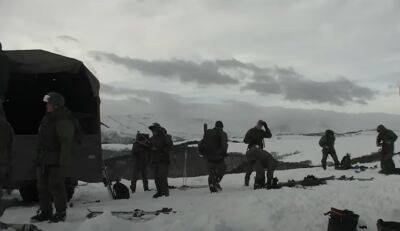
(236, 207)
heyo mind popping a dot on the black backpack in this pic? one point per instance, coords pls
(342, 220)
(346, 162)
(387, 225)
(121, 191)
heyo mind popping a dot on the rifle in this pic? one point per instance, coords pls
(204, 137)
(107, 181)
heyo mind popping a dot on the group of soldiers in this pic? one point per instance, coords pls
(214, 147)
(59, 131)
(152, 150)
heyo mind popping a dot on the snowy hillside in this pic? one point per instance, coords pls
(236, 207)
(295, 148)
(188, 122)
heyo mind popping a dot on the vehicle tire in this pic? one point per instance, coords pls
(28, 191)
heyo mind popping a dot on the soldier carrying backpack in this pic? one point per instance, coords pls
(214, 147)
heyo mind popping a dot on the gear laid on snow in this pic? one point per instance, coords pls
(135, 215)
(18, 227)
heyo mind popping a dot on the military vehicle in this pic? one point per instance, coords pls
(33, 74)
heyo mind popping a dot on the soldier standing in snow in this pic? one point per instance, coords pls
(327, 142)
(385, 140)
(56, 137)
(260, 160)
(255, 138)
(161, 144)
(140, 153)
(214, 146)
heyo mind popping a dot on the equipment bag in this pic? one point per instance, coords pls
(342, 220)
(387, 225)
(345, 164)
(311, 180)
(121, 191)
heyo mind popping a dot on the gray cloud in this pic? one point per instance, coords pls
(276, 80)
(205, 73)
(295, 87)
(68, 38)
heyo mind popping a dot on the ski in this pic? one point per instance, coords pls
(19, 227)
(351, 178)
(187, 187)
(307, 181)
(136, 214)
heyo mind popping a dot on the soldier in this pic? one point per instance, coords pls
(385, 140)
(161, 144)
(6, 143)
(56, 138)
(327, 143)
(214, 146)
(259, 160)
(140, 153)
(255, 138)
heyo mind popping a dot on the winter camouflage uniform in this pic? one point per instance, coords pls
(385, 140)
(259, 160)
(6, 143)
(161, 144)
(140, 153)
(255, 138)
(214, 146)
(56, 139)
(327, 142)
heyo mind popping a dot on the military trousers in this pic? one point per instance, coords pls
(51, 187)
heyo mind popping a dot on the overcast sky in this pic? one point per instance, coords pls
(336, 55)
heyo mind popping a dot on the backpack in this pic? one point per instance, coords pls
(346, 162)
(387, 225)
(121, 191)
(342, 220)
(210, 144)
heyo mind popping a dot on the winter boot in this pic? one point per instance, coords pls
(219, 188)
(41, 216)
(213, 188)
(158, 194)
(133, 188)
(146, 185)
(269, 183)
(58, 217)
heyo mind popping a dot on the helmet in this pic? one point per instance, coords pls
(329, 133)
(155, 126)
(55, 99)
(219, 124)
(380, 128)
